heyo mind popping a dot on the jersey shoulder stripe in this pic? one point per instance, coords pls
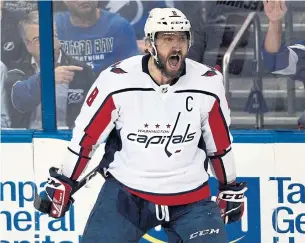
(204, 78)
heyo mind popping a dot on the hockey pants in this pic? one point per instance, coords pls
(120, 217)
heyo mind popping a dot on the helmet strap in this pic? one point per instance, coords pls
(157, 61)
(154, 53)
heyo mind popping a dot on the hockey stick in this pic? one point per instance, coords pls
(44, 205)
(86, 179)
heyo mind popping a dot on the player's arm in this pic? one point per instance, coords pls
(218, 140)
(92, 126)
(217, 136)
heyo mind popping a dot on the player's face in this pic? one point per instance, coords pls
(172, 50)
(82, 8)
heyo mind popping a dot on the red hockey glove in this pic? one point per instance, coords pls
(230, 200)
(56, 199)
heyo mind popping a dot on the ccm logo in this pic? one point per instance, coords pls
(232, 197)
(204, 232)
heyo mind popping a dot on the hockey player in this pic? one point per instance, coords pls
(164, 118)
(278, 58)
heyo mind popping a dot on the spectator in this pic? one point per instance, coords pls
(72, 80)
(5, 121)
(95, 36)
(278, 58)
(13, 50)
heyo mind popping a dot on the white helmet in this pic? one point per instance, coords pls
(165, 19)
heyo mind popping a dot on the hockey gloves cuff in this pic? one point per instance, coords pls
(56, 200)
(230, 200)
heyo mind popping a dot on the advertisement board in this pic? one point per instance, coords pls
(275, 200)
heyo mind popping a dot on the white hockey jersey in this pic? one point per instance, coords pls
(160, 138)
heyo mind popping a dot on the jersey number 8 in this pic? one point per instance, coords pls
(92, 96)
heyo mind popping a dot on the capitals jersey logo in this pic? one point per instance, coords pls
(172, 138)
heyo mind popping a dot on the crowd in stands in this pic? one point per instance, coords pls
(89, 36)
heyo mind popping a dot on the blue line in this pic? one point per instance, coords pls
(239, 136)
(47, 66)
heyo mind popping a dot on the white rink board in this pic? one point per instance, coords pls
(20, 223)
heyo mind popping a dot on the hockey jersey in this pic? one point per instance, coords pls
(160, 138)
(289, 60)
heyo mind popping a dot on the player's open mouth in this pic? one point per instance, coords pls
(174, 61)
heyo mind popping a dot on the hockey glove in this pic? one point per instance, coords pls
(56, 199)
(230, 200)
